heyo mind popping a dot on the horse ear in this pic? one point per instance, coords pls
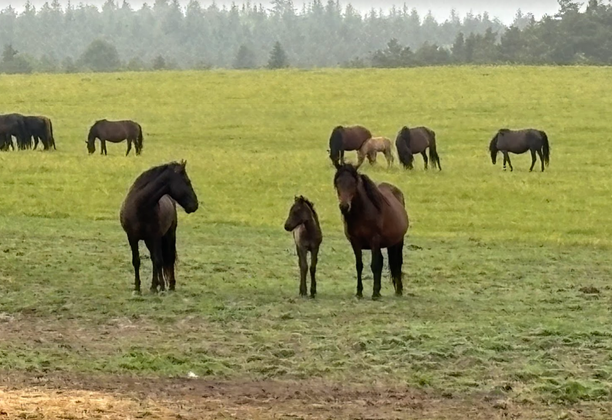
(183, 163)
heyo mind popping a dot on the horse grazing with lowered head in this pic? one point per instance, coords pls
(304, 223)
(41, 130)
(148, 214)
(13, 125)
(115, 132)
(373, 146)
(374, 217)
(410, 141)
(345, 139)
(520, 141)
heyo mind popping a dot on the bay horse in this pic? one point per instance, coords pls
(148, 213)
(519, 141)
(373, 146)
(14, 125)
(410, 141)
(303, 221)
(40, 129)
(374, 218)
(345, 139)
(115, 132)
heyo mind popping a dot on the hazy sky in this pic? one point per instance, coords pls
(502, 9)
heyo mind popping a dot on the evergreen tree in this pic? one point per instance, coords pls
(278, 57)
(245, 59)
(100, 56)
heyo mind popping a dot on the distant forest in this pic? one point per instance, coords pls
(166, 35)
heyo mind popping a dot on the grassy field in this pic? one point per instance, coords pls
(507, 274)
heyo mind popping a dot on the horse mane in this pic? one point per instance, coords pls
(152, 173)
(493, 144)
(372, 191)
(303, 200)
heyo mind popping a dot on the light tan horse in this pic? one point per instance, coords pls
(373, 146)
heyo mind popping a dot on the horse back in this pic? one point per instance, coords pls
(354, 137)
(515, 141)
(421, 138)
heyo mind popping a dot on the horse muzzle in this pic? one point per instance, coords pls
(345, 208)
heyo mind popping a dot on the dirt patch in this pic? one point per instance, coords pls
(119, 397)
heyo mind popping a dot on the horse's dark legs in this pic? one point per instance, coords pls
(424, 158)
(154, 246)
(314, 255)
(396, 259)
(102, 147)
(303, 263)
(135, 263)
(129, 147)
(541, 158)
(377, 266)
(507, 159)
(342, 156)
(533, 159)
(359, 268)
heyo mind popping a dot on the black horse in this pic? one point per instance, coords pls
(520, 141)
(40, 129)
(148, 213)
(13, 125)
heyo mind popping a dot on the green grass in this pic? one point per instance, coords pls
(494, 270)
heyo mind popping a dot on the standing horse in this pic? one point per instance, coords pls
(374, 217)
(115, 132)
(304, 223)
(373, 146)
(344, 139)
(519, 141)
(410, 141)
(14, 125)
(40, 129)
(148, 213)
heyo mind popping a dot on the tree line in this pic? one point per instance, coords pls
(165, 35)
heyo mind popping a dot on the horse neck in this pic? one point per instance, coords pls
(150, 194)
(361, 203)
(311, 224)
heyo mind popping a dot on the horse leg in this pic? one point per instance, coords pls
(303, 263)
(377, 266)
(314, 255)
(359, 268)
(129, 147)
(135, 263)
(102, 147)
(533, 160)
(507, 157)
(389, 157)
(157, 279)
(541, 158)
(342, 156)
(396, 260)
(424, 158)
(360, 158)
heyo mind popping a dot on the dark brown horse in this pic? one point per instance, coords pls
(416, 140)
(375, 217)
(115, 132)
(304, 223)
(14, 125)
(40, 129)
(346, 138)
(519, 141)
(148, 213)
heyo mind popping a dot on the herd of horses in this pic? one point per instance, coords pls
(374, 214)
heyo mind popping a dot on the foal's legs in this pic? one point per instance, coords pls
(359, 268)
(533, 159)
(135, 263)
(377, 266)
(303, 263)
(424, 158)
(541, 158)
(314, 254)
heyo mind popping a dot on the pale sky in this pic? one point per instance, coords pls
(502, 9)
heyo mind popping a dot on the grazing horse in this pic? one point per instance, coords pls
(410, 141)
(41, 129)
(346, 138)
(14, 125)
(304, 223)
(374, 217)
(373, 146)
(148, 213)
(115, 132)
(519, 141)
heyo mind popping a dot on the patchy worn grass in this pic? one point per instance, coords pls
(507, 273)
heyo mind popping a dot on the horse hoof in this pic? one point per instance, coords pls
(399, 293)
(376, 297)
(312, 296)
(359, 296)
(136, 293)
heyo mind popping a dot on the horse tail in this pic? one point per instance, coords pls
(545, 147)
(51, 138)
(433, 152)
(403, 151)
(493, 148)
(139, 139)
(336, 145)
(169, 257)
(48, 132)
